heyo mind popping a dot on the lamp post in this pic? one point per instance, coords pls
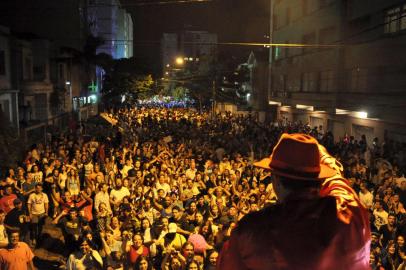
(179, 61)
(69, 84)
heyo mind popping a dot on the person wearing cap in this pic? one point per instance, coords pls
(318, 221)
(172, 238)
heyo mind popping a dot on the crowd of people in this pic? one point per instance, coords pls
(163, 188)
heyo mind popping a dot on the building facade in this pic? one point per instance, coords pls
(8, 94)
(348, 75)
(114, 25)
(194, 52)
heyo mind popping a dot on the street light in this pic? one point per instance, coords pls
(70, 94)
(179, 61)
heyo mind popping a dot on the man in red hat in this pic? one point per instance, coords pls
(318, 222)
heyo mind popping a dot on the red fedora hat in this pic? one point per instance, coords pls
(297, 156)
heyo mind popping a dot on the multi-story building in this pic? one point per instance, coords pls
(30, 74)
(187, 54)
(114, 25)
(8, 94)
(196, 49)
(199, 47)
(354, 86)
(169, 51)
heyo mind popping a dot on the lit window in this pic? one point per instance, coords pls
(277, 53)
(403, 18)
(392, 20)
(326, 81)
(309, 81)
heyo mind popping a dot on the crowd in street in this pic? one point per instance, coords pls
(163, 189)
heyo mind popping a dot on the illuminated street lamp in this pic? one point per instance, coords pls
(68, 83)
(179, 61)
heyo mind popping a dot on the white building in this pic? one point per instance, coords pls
(114, 24)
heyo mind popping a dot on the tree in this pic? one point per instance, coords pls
(129, 77)
(179, 93)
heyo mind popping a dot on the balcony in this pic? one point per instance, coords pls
(317, 99)
(35, 87)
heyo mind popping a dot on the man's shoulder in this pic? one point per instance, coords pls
(259, 219)
(23, 245)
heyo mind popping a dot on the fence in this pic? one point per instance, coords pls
(38, 133)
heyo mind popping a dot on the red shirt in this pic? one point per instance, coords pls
(133, 255)
(6, 202)
(330, 231)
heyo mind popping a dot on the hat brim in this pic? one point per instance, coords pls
(263, 163)
(325, 171)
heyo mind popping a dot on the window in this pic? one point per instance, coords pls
(288, 13)
(403, 18)
(61, 71)
(391, 20)
(280, 83)
(2, 63)
(326, 81)
(309, 39)
(357, 79)
(275, 22)
(278, 53)
(28, 68)
(39, 72)
(324, 3)
(309, 82)
(304, 7)
(395, 19)
(327, 35)
(293, 85)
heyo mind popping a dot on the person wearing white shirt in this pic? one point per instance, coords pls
(191, 172)
(102, 197)
(161, 184)
(37, 206)
(3, 232)
(366, 196)
(128, 166)
(118, 193)
(381, 216)
(85, 258)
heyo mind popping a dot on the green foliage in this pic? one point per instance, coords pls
(127, 77)
(179, 92)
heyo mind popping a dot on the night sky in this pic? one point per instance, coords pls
(232, 20)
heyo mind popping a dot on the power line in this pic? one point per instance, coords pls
(131, 4)
(166, 2)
